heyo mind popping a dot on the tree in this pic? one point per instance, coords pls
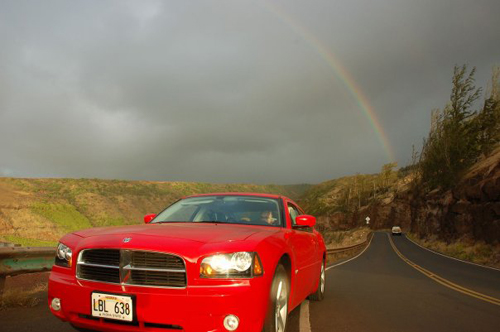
(487, 122)
(451, 146)
(463, 95)
(388, 174)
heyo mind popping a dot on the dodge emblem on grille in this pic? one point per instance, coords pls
(127, 239)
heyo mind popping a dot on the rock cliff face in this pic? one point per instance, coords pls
(471, 209)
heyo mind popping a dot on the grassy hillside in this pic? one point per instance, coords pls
(348, 194)
(39, 211)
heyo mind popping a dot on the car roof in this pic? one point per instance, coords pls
(239, 194)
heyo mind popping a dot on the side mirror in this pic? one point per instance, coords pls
(305, 221)
(148, 218)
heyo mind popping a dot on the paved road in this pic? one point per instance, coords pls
(378, 291)
(474, 277)
(36, 319)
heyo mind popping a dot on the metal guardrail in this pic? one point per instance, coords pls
(356, 246)
(8, 244)
(15, 260)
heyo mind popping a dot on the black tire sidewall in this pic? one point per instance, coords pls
(280, 274)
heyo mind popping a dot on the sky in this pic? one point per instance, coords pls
(226, 91)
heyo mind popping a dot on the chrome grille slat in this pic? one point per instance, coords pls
(128, 267)
(99, 265)
(132, 267)
(99, 273)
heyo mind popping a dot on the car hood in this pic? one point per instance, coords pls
(202, 233)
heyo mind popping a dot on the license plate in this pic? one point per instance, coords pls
(112, 306)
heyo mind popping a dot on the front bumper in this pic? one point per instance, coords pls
(195, 308)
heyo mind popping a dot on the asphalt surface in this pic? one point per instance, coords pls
(477, 278)
(377, 291)
(36, 319)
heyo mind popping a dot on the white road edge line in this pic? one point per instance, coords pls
(304, 321)
(457, 259)
(304, 324)
(361, 253)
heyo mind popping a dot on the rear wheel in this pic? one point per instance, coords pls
(320, 292)
(278, 302)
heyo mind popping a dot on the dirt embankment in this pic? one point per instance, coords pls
(342, 239)
(17, 218)
(469, 213)
(25, 290)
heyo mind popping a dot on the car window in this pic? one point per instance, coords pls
(224, 209)
(181, 212)
(294, 212)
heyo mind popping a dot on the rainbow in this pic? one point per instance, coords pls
(340, 72)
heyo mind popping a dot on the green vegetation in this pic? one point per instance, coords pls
(348, 194)
(464, 249)
(69, 189)
(106, 220)
(460, 135)
(64, 215)
(25, 242)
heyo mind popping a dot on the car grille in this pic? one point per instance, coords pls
(99, 273)
(131, 267)
(156, 260)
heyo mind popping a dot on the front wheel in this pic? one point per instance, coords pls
(278, 302)
(320, 292)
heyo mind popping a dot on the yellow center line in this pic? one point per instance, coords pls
(443, 281)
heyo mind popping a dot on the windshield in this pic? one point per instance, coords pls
(246, 210)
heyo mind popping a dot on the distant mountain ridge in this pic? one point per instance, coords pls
(38, 212)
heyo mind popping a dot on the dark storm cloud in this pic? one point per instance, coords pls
(226, 91)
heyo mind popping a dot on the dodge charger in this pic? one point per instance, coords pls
(211, 262)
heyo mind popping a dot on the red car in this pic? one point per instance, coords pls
(214, 262)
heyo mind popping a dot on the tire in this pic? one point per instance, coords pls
(277, 313)
(319, 294)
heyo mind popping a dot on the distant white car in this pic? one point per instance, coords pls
(396, 230)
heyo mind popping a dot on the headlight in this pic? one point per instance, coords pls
(64, 255)
(240, 264)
